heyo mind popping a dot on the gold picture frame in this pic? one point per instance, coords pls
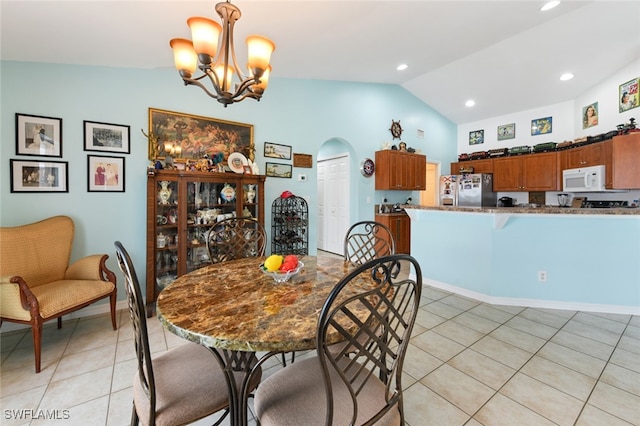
(196, 136)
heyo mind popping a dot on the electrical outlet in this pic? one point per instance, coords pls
(542, 276)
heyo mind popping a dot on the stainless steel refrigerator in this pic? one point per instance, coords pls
(471, 190)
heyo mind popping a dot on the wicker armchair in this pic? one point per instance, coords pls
(37, 284)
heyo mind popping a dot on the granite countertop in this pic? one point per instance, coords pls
(534, 210)
(234, 305)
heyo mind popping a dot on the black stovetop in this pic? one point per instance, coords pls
(596, 204)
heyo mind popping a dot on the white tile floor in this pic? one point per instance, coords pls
(469, 363)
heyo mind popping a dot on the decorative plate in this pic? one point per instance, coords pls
(236, 162)
(228, 193)
(367, 167)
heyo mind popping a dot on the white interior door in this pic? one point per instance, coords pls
(333, 203)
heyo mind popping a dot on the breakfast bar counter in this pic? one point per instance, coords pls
(565, 258)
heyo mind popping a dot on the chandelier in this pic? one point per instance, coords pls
(230, 84)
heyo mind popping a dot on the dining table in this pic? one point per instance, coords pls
(239, 310)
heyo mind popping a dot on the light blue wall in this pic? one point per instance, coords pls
(301, 113)
(591, 261)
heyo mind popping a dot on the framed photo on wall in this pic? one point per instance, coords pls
(476, 137)
(105, 174)
(106, 137)
(279, 170)
(541, 126)
(196, 135)
(628, 95)
(39, 176)
(590, 115)
(38, 135)
(274, 150)
(508, 131)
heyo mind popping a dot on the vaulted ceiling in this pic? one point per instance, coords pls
(506, 55)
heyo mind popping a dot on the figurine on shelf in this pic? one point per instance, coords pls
(251, 193)
(165, 192)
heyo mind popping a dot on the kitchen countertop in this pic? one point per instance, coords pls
(533, 210)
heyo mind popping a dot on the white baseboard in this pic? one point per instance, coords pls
(89, 311)
(534, 303)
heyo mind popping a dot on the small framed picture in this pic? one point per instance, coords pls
(247, 170)
(476, 137)
(39, 176)
(279, 170)
(590, 115)
(38, 135)
(541, 126)
(628, 95)
(508, 131)
(106, 137)
(274, 150)
(105, 174)
(302, 160)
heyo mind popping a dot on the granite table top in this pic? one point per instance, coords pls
(234, 305)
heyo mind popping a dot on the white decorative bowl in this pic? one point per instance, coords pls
(281, 277)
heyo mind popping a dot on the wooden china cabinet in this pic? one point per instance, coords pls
(181, 207)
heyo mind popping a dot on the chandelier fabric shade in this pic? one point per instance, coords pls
(211, 49)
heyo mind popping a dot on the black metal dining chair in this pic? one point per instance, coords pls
(367, 240)
(236, 238)
(177, 387)
(361, 384)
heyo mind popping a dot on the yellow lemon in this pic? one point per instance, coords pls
(273, 262)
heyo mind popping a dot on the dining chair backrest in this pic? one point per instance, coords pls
(367, 240)
(138, 321)
(236, 238)
(377, 323)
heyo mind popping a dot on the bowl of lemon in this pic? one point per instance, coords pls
(281, 268)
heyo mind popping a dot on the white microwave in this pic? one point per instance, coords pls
(584, 179)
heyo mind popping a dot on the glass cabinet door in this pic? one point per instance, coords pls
(207, 204)
(166, 232)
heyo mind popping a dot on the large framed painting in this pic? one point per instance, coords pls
(196, 136)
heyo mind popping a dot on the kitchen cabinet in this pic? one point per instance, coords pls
(625, 162)
(479, 166)
(400, 170)
(589, 155)
(181, 207)
(400, 226)
(530, 172)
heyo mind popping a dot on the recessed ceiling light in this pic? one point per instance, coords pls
(402, 67)
(566, 76)
(470, 103)
(549, 5)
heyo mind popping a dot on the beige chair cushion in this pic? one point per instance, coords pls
(296, 396)
(189, 386)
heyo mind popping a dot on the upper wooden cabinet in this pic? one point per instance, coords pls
(400, 170)
(625, 162)
(479, 166)
(531, 172)
(584, 156)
